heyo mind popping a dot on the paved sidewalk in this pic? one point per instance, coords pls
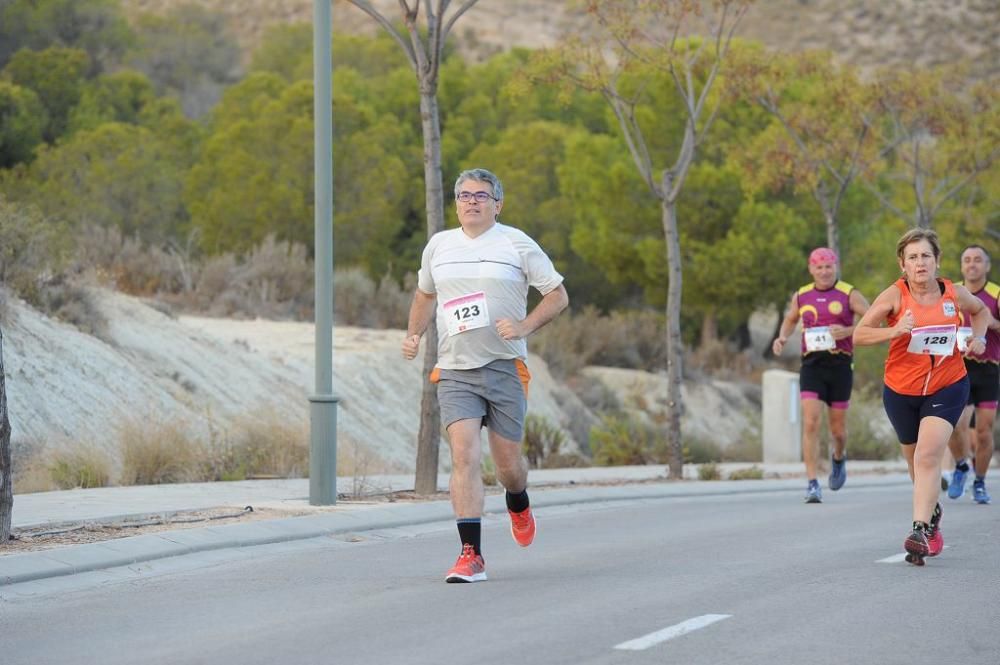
(549, 487)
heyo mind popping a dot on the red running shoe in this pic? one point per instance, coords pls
(522, 527)
(469, 567)
(935, 541)
(916, 547)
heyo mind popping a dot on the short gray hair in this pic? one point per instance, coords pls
(480, 175)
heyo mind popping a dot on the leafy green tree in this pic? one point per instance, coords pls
(255, 176)
(187, 53)
(286, 50)
(95, 26)
(30, 247)
(22, 120)
(115, 175)
(756, 263)
(57, 75)
(119, 97)
(245, 100)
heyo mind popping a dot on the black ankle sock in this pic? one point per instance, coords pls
(517, 502)
(920, 526)
(962, 466)
(470, 530)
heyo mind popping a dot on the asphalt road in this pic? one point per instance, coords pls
(759, 578)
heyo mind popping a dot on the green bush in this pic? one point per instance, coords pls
(865, 439)
(259, 448)
(83, 467)
(709, 471)
(541, 440)
(620, 440)
(31, 247)
(751, 473)
(700, 451)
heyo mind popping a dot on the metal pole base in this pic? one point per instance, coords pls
(323, 450)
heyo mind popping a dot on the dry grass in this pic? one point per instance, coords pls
(155, 452)
(85, 467)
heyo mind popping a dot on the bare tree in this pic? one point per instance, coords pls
(942, 140)
(6, 472)
(635, 43)
(424, 52)
(829, 122)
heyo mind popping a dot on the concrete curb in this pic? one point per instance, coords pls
(32, 566)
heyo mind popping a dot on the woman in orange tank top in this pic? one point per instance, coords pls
(925, 381)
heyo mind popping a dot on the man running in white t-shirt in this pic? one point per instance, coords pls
(475, 279)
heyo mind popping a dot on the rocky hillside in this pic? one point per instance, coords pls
(868, 33)
(67, 388)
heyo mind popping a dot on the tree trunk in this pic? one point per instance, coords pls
(6, 473)
(832, 233)
(675, 349)
(709, 328)
(429, 438)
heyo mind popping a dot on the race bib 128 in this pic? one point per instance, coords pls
(933, 340)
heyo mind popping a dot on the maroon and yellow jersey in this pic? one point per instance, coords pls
(822, 308)
(990, 295)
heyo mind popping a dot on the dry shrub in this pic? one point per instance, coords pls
(83, 467)
(360, 463)
(275, 280)
(721, 360)
(353, 296)
(127, 264)
(75, 304)
(213, 281)
(259, 447)
(156, 452)
(630, 339)
(359, 301)
(72, 465)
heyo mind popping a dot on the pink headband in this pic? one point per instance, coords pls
(822, 255)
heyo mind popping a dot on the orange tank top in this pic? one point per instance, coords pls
(913, 373)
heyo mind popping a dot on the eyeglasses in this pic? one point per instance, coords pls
(480, 197)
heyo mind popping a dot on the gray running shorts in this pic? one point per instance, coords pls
(496, 393)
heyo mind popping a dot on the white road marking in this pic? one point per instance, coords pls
(896, 558)
(646, 641)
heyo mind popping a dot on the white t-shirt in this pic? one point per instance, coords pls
(478, 281)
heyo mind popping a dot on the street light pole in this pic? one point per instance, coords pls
(323, 404)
